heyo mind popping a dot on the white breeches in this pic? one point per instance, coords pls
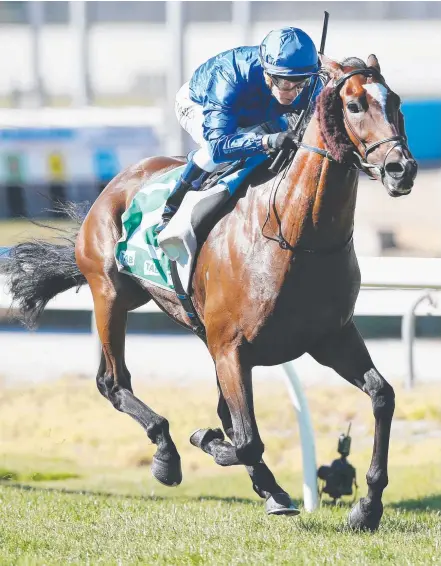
(190, 116)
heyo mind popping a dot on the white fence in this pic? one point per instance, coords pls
(390, 286)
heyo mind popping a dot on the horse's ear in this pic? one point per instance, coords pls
(372, 61)
(331, 67)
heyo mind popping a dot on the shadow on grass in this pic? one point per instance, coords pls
(314, 524)
(428, 503)
(107, 494)
(11, 475)
(340, 504)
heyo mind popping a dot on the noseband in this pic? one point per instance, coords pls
(399, 140)
(362, 164)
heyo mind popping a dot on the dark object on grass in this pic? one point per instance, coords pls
(340, 476)
(276, 277)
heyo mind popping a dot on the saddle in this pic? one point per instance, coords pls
(179, 240)
(184, 233)
(167, 259)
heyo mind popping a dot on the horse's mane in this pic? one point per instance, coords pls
(330, 118)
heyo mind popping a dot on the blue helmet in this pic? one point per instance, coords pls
(289, 52)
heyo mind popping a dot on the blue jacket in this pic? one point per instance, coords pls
(232, 90)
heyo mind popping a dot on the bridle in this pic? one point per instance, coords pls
(399, 140)
(361, 164)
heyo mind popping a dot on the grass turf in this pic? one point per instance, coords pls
(40, 526)
(77, 488)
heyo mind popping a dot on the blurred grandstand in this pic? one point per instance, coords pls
(87, 88)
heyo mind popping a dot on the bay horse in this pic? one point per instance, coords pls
(276, 277)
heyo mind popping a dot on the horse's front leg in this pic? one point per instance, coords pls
(212, 441)
(277, 500)
(346, 353)
(235, 382)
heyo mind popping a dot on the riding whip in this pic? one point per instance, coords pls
(324, 33)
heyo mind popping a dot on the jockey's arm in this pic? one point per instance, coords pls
(220, 126)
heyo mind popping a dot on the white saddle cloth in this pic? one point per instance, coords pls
(179, 239)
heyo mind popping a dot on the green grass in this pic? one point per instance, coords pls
(79, 488)
(204, 526)
(6, 475)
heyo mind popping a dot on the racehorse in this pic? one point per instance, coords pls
(276, 277)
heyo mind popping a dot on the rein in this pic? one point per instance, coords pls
(362, 165)
(362, 161)
(279, 238)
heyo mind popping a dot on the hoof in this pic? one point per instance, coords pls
(280, 504)
(365, 515)
(167, 473)
(201, 437)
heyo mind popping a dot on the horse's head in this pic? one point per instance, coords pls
(358, 113)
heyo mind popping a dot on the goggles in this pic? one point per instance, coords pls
(287, 84)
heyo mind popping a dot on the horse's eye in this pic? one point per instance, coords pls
(353, 107)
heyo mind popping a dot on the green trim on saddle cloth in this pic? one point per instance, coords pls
(137, 252)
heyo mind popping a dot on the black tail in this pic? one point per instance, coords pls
(38, 270)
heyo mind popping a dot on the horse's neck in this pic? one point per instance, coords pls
(316, 202)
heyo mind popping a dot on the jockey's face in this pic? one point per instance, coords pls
(286, 90)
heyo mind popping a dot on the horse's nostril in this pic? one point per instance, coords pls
(395, 169)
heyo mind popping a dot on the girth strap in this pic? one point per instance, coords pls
(196, 325)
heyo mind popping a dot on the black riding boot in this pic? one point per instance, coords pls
(190, 174)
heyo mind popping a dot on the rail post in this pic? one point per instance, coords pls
(310, 491)
(408, 336)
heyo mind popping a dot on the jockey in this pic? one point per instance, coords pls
(236, 100)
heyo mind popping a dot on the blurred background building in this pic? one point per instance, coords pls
(87, 88)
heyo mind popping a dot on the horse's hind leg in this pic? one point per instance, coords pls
(346, 353)
(113, 379)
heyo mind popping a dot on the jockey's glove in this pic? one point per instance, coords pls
(281, 140)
